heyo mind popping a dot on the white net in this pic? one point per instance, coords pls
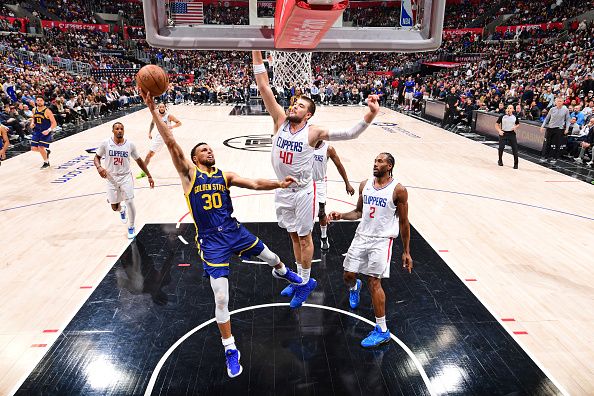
(291, 69)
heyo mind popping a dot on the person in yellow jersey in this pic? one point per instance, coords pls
(43, 123)
(218, 234)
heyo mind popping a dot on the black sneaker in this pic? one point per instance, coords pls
(500, 163)
(45, 165)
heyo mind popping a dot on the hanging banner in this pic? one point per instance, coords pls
(22, 21)
(63, 26)
(517, 28)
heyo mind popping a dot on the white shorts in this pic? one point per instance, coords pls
(157, 143)
(296, 209)
(408, 95)
(369, 256)
(321, 189)
(120, 188)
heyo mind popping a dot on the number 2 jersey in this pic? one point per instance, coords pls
(209, 201)
(380, 217)
(292, 155)
(116, 157)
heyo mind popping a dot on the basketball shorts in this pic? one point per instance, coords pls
(296, 208)
(216, 247)
(369, 256)
(321, 191)
(38, 139)
(408, 95)
(157, 142)
(120, 188)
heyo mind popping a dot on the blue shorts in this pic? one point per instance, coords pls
(215, 249)
(41, 140)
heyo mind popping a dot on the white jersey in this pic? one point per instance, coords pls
(116, 158)
(165, 118)
(320, 163)
(292, 155)
(380, 217)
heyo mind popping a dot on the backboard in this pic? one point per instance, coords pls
(386, 26)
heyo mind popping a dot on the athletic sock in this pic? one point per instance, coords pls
(324, 229)
(282, 271)
(299, 268)
(305, 275)
(229, 343)
(381, 322)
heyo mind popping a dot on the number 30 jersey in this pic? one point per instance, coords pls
(116, 157)
(292, 155)
(209, 201)
(379, 217)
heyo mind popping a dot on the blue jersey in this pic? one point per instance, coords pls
(218, 234)
(209, 201)
(42, 123)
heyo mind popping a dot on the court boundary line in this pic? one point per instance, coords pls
(154, 375)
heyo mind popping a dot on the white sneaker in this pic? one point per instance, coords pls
(123, 212)
(131, 233)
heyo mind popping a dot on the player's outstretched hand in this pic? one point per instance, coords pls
(350, 190)
(148, 100)
(334, 216)
(407, 262)
(288, 181)
(373, 103)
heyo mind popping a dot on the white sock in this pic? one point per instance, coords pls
(131, 212)
(229, 343)
(354, 287)
(299, 268)
(282, 271)
(305, 275)
(324, 229)
(381, 322)
(122, 207)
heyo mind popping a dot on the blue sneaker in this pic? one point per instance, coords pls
(131, 233)
(355, 295)
(290, 276)
(289, 290)
(302, 292)
(375, 338)
(232, 360)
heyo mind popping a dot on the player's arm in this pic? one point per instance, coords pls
(318, 133)
(151, 129)
(144, 168)
(175, 120)
(400, 197)
(182, 166)
(353, 214)
(4, 137)
(54, 124)
(233, 179)
(276, 111)
(336, 159)
(97, 161)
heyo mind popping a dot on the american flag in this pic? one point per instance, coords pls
(186, 12)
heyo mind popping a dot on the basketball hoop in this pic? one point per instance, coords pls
(291, 68)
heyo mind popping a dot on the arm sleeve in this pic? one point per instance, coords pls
(347, 134)
(500, 119)
(100, 150)
(517, 121)
(133, 152)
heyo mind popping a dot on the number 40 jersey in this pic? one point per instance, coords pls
(292, 155)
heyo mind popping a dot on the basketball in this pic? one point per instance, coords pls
(153, 79)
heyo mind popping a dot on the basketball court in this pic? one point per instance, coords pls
(499, 301)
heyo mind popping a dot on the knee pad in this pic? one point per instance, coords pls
(269, 257)
(220, 289)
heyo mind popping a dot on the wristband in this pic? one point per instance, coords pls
(259, 69)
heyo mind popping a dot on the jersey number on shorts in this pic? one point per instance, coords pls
(287, 157)
(372, 212)
(118, 161)
(212, 201)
